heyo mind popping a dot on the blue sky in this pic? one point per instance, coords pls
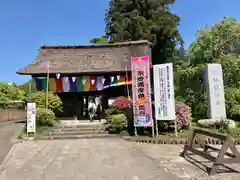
(25, 25)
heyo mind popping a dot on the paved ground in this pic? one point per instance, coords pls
(193, 169)
(94, 159)
(8, 136)
(101, 159)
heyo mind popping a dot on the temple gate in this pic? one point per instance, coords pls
(79, 72)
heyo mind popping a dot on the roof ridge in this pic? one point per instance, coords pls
(95, 45)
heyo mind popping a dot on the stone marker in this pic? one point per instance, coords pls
(213, 78)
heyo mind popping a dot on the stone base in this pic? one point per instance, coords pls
(206, 123)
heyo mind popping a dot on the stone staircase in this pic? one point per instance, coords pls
(79, 130)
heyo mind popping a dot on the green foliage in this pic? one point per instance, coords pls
(189, 90)
(112, 111)
(222, 126)
(127, 112)
(231, 69)
(54, 102)
(45, 117)
(118, 122)
(99, 40)
(215, 41)
(9, 94)
(25, 87)
(232, 96)
(144, 20)
(235, 132)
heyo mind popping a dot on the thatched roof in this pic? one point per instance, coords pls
(86, 59)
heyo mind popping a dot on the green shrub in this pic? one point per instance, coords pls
(112, 110)
(118, 122)
(45, 117)
(222, 126)
(235, 132)
(54, 102)
(9, 93)
(233, 103)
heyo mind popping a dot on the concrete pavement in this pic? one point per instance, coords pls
(9, 132)
(104, 159)
(194, 168)
(92, 159)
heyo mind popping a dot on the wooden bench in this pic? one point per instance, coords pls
(228, 142)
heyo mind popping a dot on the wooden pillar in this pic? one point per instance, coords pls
(104, 102)
(86, 106)
(80, 107)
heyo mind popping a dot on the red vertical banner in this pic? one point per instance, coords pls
(141, 91)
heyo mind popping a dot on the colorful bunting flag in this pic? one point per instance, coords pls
(80, 86)
(73, 79)
(73, 85)
(107, 82)
(80, 83)
(118, 77)
(57, 76)
(66, 84)
(100, 83)
(59, 85)
(93, 83)
(103, 80)
(87, 84)
(114, 82)
(112, 78)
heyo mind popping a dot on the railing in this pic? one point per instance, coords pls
(203, 149)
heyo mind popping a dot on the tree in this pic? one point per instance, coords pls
(99, 40)
(54, 102)
(214, 41)
(10, 92)
(231, 69)
(217, 43)
(25, 86)
(131, 20)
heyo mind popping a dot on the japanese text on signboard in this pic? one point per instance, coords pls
(163, 96)
(164, 92)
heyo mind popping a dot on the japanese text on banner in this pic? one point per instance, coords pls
(141, 92)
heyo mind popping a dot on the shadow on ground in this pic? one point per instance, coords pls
(9, 132)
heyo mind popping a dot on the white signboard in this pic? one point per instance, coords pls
(164, 92)
(215, 91)
(31, 117)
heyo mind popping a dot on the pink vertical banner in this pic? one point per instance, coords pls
(142, 106)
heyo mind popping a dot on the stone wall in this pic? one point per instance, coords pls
(12, 114)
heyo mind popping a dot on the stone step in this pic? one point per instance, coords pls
(62, 137)
(82, 126)
(79, 132)
(79, 129)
